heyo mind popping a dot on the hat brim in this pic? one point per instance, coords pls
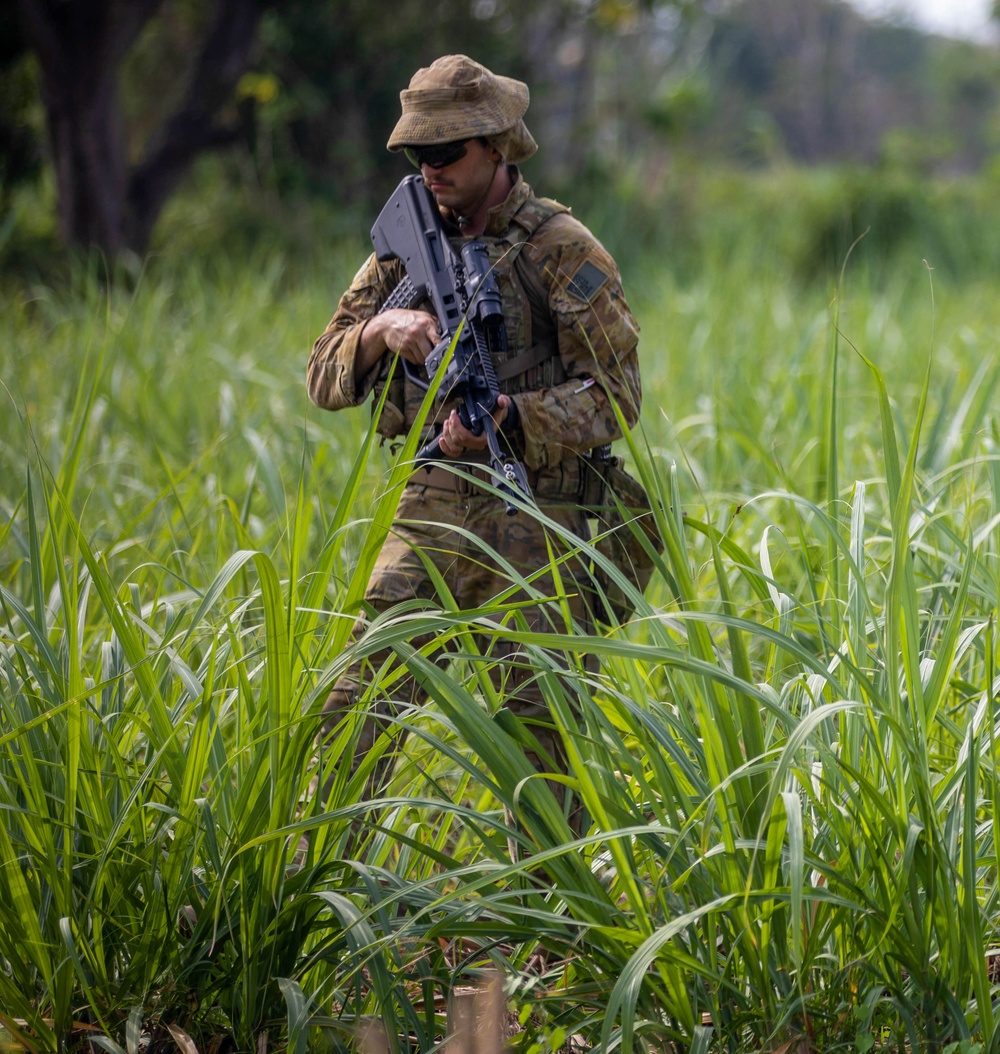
(440, 115)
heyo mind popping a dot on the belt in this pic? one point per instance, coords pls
(562, 483)
(441, 478)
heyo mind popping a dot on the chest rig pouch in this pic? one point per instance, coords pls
(532, 361)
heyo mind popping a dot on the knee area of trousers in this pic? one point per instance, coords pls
(338, 703)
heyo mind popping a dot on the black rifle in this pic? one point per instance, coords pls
(460, 286)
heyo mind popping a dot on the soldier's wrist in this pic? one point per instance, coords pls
(511, 427)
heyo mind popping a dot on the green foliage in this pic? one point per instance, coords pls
(834, 84)
(337, 73)
(788, 759)
(20, 123)
(696, 218)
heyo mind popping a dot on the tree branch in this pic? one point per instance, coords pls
(193, 128)
(129, 18)
(96, 33)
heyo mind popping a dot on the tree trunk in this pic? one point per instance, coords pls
(75, 49)
(80, 45)
(86, 141)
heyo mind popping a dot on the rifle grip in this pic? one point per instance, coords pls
(430, 451)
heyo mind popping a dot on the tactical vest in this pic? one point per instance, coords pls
(532, 361)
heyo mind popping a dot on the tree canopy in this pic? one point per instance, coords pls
(133, 91)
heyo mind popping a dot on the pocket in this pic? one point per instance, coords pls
(412, 501)
(560, 482)
(625, 519)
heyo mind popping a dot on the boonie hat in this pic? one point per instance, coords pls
(458, 98)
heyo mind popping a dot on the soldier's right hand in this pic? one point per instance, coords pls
(414, 334)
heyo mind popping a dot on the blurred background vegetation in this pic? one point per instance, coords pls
(183, 126)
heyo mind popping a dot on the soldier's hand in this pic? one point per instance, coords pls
(414, 334)
(457, 440)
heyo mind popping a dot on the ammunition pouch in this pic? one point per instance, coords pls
(624, 516)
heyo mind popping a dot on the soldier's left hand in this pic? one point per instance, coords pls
(457, 440)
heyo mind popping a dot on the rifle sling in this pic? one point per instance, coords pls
(525, 361)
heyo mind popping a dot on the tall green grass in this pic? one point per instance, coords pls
(788, 758)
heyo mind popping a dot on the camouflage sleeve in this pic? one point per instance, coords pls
(330, 374)
(598, 338)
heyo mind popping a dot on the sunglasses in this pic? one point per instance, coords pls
(439, 155)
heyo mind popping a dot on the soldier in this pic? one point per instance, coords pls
(571, 351)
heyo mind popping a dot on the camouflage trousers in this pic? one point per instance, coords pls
(457, 525)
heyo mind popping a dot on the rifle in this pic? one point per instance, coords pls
(463, 291)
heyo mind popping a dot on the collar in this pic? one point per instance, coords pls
(499, 218)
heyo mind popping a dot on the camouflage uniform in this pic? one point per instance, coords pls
(585, 333)
(571, 350)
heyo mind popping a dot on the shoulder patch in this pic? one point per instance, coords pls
(587, 281)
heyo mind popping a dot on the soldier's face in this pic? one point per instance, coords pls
(463, 184)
